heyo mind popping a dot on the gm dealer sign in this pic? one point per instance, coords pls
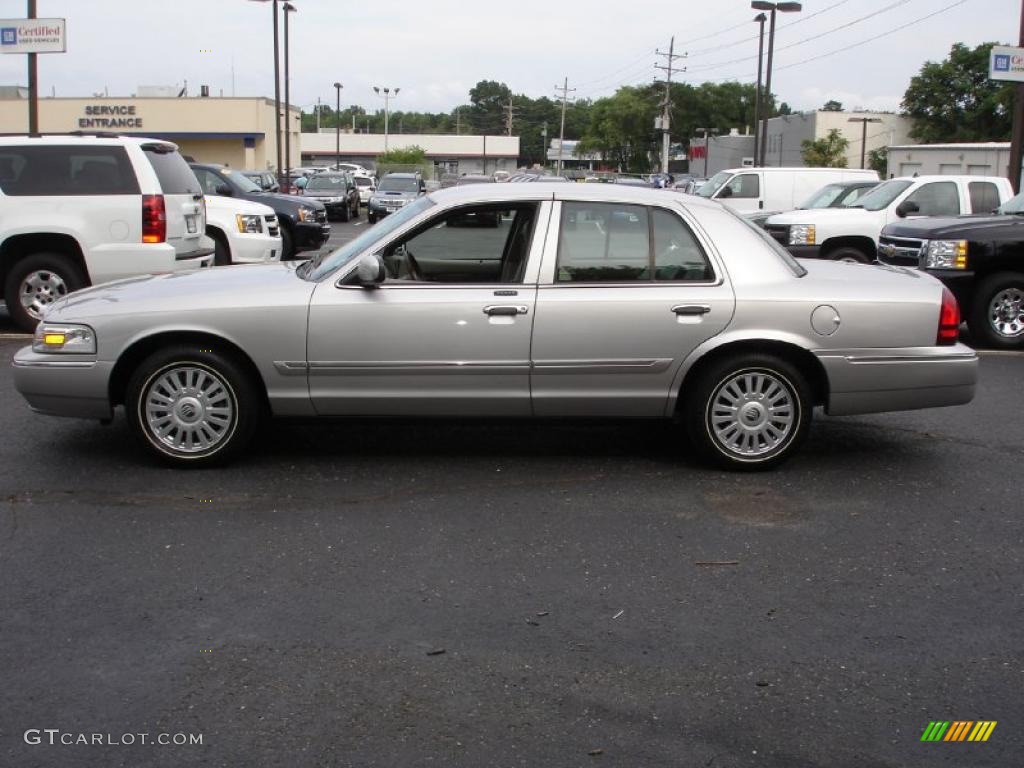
(33, 36)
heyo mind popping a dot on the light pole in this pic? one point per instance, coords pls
(544, 147)
(761, 5)
(387, 94)
(337, 123)
(705, 132)
(277, 94)
(760, 19)
(864, 134)
(288, 8)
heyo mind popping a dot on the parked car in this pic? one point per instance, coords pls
(588, 301)
(303, 222)
(244, 232)
(83, 210)
(366, 186)
(338, 193)
(266, 180)
(352, 168)
(841, 194)
(851, 234)
(749, 190)
(395, 191)
(979, 258)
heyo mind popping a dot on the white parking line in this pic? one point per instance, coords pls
(358, 224)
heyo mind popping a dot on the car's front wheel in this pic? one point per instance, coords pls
(850, 254)
(193, 406)
(748, 412)
(997, 311)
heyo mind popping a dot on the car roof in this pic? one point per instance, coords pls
(402, 175)
(619, 193)
(68, 138)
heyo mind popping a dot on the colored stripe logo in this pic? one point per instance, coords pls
(958, 730)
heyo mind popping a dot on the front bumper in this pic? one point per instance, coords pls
(255, 249)
(310, 234)
(904, 379)
(804, 251)
(60, 385)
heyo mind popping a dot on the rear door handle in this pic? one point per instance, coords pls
(691, 309)
(506, 309)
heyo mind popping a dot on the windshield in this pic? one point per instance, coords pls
(787, 258)
(880, 197)
(824, 197)
(243, 182)
(715, 183)
(362, 181)
(1014, 205)
(327, 182)
(391, 184)
(323, 265)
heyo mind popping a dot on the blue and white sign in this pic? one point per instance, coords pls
(33, 36)
(1006, 63)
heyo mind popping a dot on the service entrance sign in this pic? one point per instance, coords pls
(1006, 63)
(33, 36)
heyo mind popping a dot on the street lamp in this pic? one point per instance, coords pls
(387, 94)
(761, 5)
(337, 123)
(760, 19)
(277, 93)
(864, 134)
(288, 9)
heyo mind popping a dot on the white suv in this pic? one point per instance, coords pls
(82, 210)
(243, 232)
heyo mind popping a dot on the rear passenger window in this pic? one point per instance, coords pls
(175, 177)
(615, 243)
(984, 196)
(60, 170)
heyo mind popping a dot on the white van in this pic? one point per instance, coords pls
(752, 190)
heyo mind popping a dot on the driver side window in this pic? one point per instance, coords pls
(208, 181)
(473, 244)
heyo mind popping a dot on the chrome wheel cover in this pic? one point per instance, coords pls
(188, 409)
(752, 413)
(1006, 313)
(39, 290)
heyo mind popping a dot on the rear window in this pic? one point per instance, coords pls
(175, 177)
(984, 196)
(75, 170)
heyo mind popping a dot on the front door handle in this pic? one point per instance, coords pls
(506, 309)
(691, 309)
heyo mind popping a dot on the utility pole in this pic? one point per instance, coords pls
(318, 114)
(544, 146)
(509, 113)
(666, 105)
(566, 90)
(1017, 134)
(33, 83)
(458, 121)
(863, 134)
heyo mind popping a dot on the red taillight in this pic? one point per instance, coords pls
(949, 319)
(154, 219)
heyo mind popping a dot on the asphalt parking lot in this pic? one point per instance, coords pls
(504, 594)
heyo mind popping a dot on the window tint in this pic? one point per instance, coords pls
(208, 181)
(76, 170)
(984, 196)
(175, 177)
(744, 185)
(608, 242)
(475, 244)
(939, 198)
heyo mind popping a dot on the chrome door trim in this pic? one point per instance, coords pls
(653, 365)
(291, 367)
(403, 367)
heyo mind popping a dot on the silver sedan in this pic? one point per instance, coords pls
(583, 301)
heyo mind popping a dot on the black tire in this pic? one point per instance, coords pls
(221, 251)
(779, 382)
(345, 213)
(56, 275)
(849, 253)
(355, 211)
(371, 218)
(230, 387)
(287, 244)
(996, 318)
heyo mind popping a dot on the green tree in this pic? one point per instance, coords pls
(878, 161)
(621, 128)
(412, 155)
(832, 106)
(829, 152)
(953, 100)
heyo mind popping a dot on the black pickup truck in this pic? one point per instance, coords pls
(980, 259)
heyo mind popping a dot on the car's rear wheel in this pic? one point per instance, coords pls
(748, 412)
(193, 406)
(997, 311)
(345, 212)
(355, 210)
(35, 282)
(848, 253)
(287, 245)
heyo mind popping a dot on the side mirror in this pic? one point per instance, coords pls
(370, 271)
(223, 189)
(724, 192)
(906, 208)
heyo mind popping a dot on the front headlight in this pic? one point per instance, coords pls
(307, 214)
(801, 234)
(73, 339)
(945, 254)
(250, 224)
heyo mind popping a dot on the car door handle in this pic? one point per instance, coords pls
(506, 309)
(691, 309)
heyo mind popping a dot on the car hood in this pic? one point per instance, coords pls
(232, 205)
(279, 202)
(983, 227)
(233, 287)
(822, 216)
(395, 195)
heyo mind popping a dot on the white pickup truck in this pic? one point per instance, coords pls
(851, 234)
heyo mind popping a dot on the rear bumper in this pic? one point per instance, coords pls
(61, 387)
(120, 260)
(877, 380)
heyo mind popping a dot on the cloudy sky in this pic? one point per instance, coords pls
(861, 52)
